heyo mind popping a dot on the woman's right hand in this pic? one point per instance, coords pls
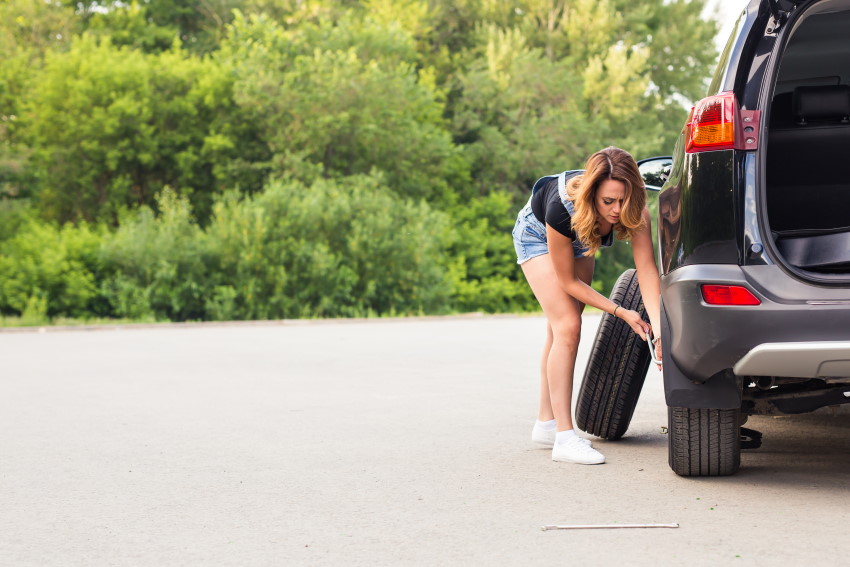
(635, 321)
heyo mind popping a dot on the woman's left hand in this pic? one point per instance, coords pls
(635, 321)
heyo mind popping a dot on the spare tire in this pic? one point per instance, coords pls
(616, 368)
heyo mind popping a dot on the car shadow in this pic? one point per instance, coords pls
(801, 451)
(646, 440)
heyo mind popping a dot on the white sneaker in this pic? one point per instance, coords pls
(547, 437)
(577, 450)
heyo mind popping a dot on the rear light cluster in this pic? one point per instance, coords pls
(717, 123)
(728, 295)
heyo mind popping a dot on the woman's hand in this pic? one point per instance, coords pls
(635, 321)
(641, 327)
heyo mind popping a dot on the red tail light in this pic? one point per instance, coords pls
(713, 123)
(717, 123)
(728, 295)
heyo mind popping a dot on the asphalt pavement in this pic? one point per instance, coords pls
(379, 442)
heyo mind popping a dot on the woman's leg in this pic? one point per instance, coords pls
(584, 270)
(563, 328)
(544, 413)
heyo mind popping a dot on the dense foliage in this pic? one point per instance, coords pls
(251, 159)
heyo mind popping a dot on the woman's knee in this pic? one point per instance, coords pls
(567, 331)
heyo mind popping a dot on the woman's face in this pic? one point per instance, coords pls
(609, 200)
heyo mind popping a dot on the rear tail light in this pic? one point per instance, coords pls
(716, 123)
(728, 295)
(712, 124)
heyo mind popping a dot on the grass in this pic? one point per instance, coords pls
(64, 321)
(44, 321)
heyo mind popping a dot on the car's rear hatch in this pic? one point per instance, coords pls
(804, 147)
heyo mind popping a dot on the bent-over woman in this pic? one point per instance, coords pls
(567, 219)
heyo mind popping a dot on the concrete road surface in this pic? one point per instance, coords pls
(383, 442)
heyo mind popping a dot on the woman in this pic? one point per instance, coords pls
(568, 218)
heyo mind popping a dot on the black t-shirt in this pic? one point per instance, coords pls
(547, 206)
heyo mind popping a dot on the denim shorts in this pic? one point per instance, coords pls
(530, 237)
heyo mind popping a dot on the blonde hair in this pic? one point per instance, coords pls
(610, 163)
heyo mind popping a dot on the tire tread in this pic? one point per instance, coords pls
(704, 442)
(616, 368)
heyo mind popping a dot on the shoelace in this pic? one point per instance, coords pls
(584, 446)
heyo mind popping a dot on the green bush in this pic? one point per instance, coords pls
(348, 247)
(48, 271)
(157, 264)
(487, 277)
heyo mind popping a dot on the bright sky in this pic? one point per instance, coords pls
(728, 11)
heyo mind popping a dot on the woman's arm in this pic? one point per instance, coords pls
(648, 280)
(647, 272)
(561, 253)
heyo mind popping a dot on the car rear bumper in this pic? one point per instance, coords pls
(828, 359)
(798, 330)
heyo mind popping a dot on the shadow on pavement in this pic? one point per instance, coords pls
(801, 451)
(641, 440)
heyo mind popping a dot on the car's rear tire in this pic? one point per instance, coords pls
(616, 368)
(704, 442)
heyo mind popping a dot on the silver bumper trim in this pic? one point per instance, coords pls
(799, 360)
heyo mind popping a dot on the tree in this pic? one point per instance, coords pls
(32, 27)
(338, 99)
(155, 25)
(28, 29)
(110, 127)
(580, 74)
(520, 115)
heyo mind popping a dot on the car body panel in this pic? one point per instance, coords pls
(698, 191)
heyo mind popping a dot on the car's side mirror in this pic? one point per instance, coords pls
(655, 171)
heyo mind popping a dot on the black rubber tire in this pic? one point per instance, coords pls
(704, 442)
(616, 368)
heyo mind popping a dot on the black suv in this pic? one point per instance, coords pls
(754, 245)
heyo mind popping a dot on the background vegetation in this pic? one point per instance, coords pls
(250, 159)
